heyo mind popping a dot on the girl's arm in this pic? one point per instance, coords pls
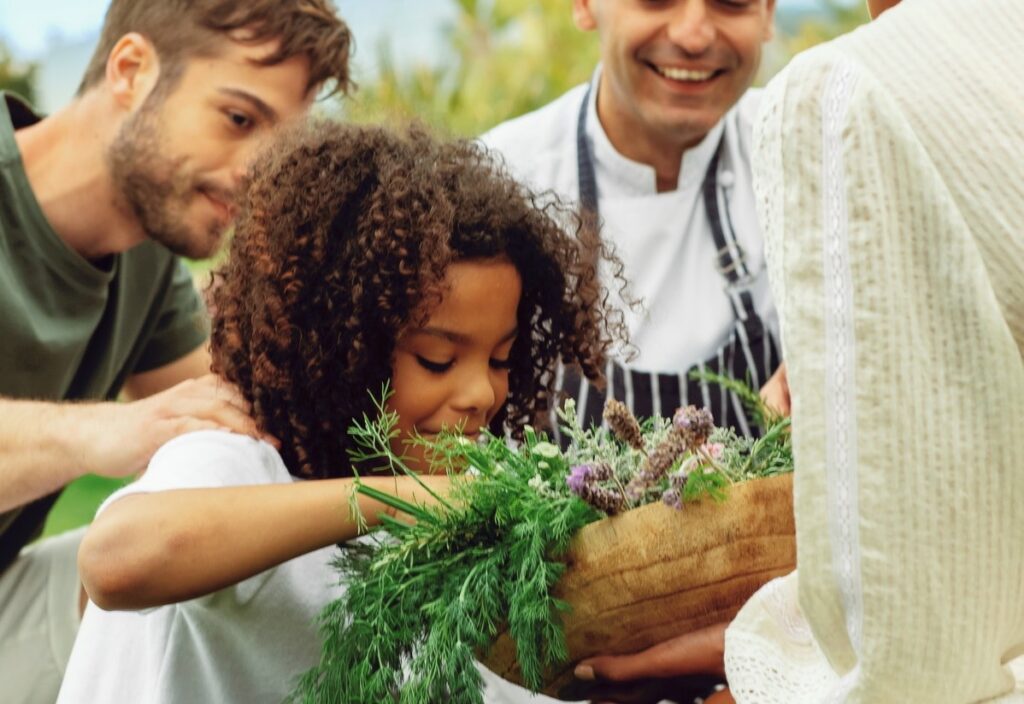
(159, 548)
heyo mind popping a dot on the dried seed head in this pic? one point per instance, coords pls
(623, 424)
(589, 473)
(583, 481)
(607, 500)
(663, 457)
(601, 471)
(694, 425)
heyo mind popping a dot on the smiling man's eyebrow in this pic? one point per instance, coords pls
(268, 113)
(456, 337)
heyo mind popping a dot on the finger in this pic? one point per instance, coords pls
(231, 418)
(227, 392)
(214, 386)
(720, 697)
(219, 408)
(223, 414)
(776, 402)
(775, 395)
(699, 651)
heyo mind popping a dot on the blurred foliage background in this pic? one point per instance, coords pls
(508, 57)
(16, 76)
(504, 58)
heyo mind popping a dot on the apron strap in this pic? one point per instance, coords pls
(731, 262)
(584, 159)
(749, 353)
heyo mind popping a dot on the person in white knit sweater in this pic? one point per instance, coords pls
(890, 179)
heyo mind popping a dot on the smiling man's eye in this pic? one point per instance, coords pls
(435, 367)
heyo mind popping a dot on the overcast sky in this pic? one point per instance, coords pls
(27, 26)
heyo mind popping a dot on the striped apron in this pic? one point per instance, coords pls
(750, 353)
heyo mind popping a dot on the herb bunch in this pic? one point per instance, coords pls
(425, 597)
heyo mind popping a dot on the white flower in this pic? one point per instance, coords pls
(537, 483)
(546, 449)
(713, 449)
(543, 465)
(498, 468)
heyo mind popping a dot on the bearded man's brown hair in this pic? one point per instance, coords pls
(181, 30)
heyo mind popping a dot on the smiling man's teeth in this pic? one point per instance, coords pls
(682, 74)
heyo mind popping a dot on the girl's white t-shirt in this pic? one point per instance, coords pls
(246, 643)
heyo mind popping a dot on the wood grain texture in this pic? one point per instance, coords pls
(653, 573)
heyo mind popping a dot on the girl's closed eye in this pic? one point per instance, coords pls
(434, 367)
(502, 364)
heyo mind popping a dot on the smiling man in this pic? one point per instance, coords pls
(658, 145)
(97, 203)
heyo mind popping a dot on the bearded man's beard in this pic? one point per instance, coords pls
(155, 190)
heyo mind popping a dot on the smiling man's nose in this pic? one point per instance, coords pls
(691, 27)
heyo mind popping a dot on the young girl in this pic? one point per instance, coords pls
(362, 257)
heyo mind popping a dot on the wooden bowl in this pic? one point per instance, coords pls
(654, 572)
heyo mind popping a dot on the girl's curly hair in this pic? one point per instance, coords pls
(344, 239)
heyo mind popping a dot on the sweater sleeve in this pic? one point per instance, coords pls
(905, 381)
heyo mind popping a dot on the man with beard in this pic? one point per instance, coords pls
(97, 204)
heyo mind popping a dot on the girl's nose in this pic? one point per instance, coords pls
(476, 392)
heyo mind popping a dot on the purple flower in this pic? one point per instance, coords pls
(673, 498)
(583, 481)
(579, 477)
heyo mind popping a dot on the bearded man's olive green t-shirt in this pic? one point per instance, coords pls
(74, 329)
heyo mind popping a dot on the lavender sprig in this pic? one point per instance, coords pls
(584, 481)
(623, 424)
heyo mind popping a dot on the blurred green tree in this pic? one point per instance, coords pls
(16, 76)
(834, 18)
(507, 57)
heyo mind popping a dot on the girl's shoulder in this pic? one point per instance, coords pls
(209, 459)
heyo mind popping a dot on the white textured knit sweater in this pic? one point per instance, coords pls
(889, 166)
